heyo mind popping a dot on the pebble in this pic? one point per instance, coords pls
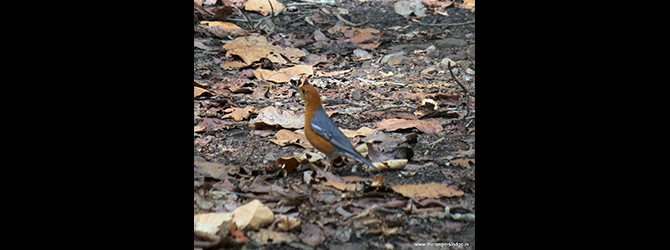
(394, 59)
(470, 51)
(362, 54)
(451, 42)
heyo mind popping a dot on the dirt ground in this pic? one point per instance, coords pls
(413, 86)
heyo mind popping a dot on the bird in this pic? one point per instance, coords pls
(321, 131)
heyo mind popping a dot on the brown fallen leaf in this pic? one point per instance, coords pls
(428, 127)
(462, 162)
(430, 190)
(286, 137)
(287, 222)
(211, 169)
(311, 235)
(238, 114)
(270, 116)
(342, 186)
(266, 236)
(227, 25)
(239, 236)
(209, 222)
(389, 164)
(252, 48)
(222, 32)
(198, 128)
(263, 7)
(214, 124)
(283, 75)
(254, 214)
(379, 180)
(199, 91)
(360, 132)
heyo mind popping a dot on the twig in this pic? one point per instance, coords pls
(444, 24)
(266, 198)
(467, 101)
(337, 14)
(459, 83)
(251, 25)
(271, 8)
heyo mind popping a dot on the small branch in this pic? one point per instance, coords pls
(444, 24)
(251, 25)
(467, 93)
(337, 14)
(459, 83)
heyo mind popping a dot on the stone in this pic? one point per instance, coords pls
(448, 42)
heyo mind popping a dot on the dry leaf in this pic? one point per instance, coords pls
(270, 116)
(214, 124)
(211, 169)
(405, 8)
(286, 222)
(239, 114)
(285, 137)
(389, 164)
(379, 180)
(430, 190)
(199, 91)
(262, 6)
(428, 127)
(462, 162)
(210, 222)
(342, 186)
(254, 214)
(360, 132)
(283, 75)
(227, 25)
(311, 235)
(252, 48)
(264, 236)
(198, 129)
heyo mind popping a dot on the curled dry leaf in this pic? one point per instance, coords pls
(254, 214)
(378, 181)
(389, 164)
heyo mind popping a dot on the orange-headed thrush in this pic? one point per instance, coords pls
(322, 132)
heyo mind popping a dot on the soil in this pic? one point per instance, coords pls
(371, 89)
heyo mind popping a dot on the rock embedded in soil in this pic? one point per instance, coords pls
(449, 42)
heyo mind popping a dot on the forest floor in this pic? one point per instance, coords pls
(383, 78)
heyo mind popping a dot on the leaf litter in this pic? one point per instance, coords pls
(385, 79)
